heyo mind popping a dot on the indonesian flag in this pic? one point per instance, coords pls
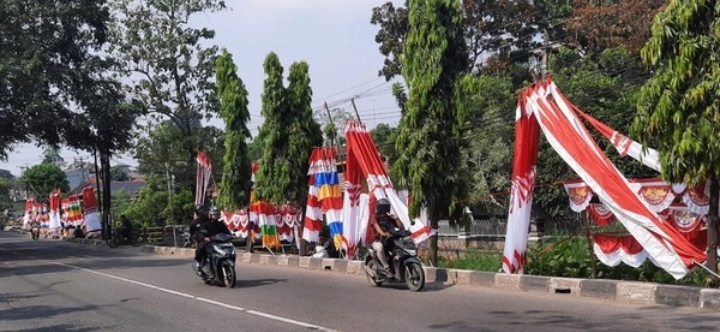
(28, 215)
(92, 216)
(204, 173)
(54, 220)
(666, 247)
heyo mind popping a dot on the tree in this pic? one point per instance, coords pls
(275, 173)
(5, 174)
(49, 65)
(119, 173)
(594, 26)
(678, 110)
(162, 151)
(235, 185)
(305, 132)
(505, 27)
(171, 67)
(431, 133)
(52, 155)
(492, 134)
(44, 178)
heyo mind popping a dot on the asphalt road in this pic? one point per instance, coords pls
(49, 285)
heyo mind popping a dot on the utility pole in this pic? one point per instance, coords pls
(545, 52)
(333, 140)
(352, 101)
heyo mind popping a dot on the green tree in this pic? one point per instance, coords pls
(431, 133)
(235, 185)
(491, 137)
(49, 67)
(305, 132)
(119, 173)
(275, 174)
(52, 155)
(678, 110)
(161, 151)
(44, 178)
(170, 63)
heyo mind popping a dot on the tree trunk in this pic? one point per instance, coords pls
(712, 230)
(434, 243)
(106, 188)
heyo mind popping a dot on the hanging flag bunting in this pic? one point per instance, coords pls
(92, 216)
(202, 180)
(54, 223)
(312, 225)
(579, 193)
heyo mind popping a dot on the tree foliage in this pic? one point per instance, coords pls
(275, 173)
(678, 109)
(55, 74)
(235, 185)
(597, 25)
(169, 63)
(44, 178)
(431, 134)
(161, 150)
(305, 132)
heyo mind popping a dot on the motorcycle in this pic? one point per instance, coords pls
(35, 232)
(186, 239)
(405, 265)
(118, 239)
(220, 260)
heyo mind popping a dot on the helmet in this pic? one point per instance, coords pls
(214, 213)
(200, 209)
(382, 206)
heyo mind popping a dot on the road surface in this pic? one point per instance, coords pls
(50, 285)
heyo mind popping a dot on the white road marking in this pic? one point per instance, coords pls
(201, 299)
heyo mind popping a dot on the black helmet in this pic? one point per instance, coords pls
(214, 213)
(200, 208)
(382, 206)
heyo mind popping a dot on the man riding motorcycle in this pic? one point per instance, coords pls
(200, 217)
(126, 228)
(384, 223)
(208, 229)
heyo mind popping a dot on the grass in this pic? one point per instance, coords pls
(478, 260)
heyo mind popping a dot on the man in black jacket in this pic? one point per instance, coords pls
(208, 229)
(200, 218)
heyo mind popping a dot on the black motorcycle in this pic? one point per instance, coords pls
(221, 261)
(405, 265)
(118, 239)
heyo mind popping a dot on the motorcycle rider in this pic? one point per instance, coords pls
(201, 217)
(126, 228)
(211, 227)
(384, 223)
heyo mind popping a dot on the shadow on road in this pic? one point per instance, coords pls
(41, 311)
(60, 328)
(544, 319)
(248, 283)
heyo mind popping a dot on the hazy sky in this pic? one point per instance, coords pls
(335, 38)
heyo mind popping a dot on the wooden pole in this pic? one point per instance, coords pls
(590, 244)
(357, 115)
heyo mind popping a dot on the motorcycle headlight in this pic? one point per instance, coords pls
(411, 251)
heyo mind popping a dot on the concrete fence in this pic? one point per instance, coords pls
(630, 292)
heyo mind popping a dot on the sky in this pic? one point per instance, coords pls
(334, 37)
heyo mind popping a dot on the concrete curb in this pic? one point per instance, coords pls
(629, 292)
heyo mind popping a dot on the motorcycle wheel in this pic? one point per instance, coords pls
(136, 241)
(113, 242)
(228, 275)
(414, 277)
(373, 266)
